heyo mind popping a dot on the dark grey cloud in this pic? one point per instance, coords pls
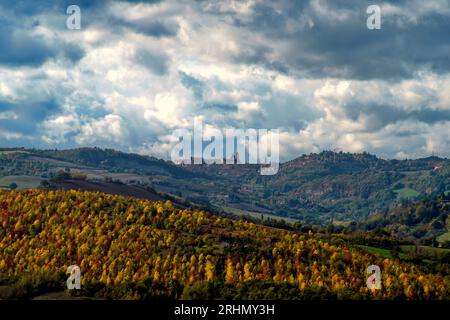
(157, 62)
(300, 39)
(381, 115)
(27, 7)
(157, 29)
(290, 112)
(350, 51)
(28, 114)
(192, 83)
(259, 55)
(337, 43)
(220, 107)
(71, 52)
(92, 13)
(327, 48)
(21, 48)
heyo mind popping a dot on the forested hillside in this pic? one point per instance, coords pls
(422, 220)
(319, 188)
(315, 189)
(138, 249)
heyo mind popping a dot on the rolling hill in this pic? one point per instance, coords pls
(130, 248)
(315, 189)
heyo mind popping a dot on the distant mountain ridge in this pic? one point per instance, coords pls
(316, 189)
(109, 158)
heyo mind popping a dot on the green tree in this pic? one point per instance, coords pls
(12, 186)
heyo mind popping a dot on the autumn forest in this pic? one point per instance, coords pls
(129, 248)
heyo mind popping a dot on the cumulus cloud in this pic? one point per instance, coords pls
(24, 48)
(137, 70)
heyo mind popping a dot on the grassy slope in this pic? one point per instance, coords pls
(444, 237)
(23, 182)
(406, 193)
(426, 251)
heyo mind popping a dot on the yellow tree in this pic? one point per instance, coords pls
(265, 269)
(209, 269)
(247, 273)
(229, 272)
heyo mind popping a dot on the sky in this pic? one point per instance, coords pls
(138, 70)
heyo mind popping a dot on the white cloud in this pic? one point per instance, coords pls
(8, 135)
(246, 110)
(110, 98)
(108, 130)
(55, 130)
(11, 115)
(413, 11)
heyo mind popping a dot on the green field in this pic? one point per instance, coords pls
(425, 249)
(257, 215)
(23, 182)
(385, 253)
(12, 151)
(444, 237)
(406, 193)
(429, 254)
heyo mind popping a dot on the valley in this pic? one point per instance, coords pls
(315, 189)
